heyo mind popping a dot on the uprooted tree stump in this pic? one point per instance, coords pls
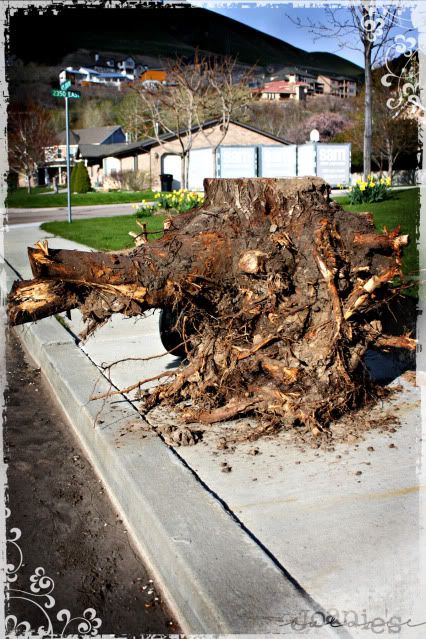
(279, 293)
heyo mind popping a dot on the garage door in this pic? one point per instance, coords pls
(237, 161)
(201, 165)
(278, 161)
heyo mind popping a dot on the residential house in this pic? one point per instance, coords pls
(106, 161)
(325, 84)
(282, 90)
(153, 76)
(55, 156)
(111, 63)
(86, 76)
(338, 85)
(307, 78)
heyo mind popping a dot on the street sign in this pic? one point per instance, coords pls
(65, 85)
(60, 93)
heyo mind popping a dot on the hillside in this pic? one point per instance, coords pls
(156, 31)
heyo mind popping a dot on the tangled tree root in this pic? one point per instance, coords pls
(279, 293)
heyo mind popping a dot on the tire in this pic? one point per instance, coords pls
(170, 337)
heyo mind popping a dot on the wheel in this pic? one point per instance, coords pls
(170, 337)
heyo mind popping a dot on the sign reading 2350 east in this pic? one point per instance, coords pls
(59, 93)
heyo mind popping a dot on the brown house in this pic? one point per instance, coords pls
(154, 158)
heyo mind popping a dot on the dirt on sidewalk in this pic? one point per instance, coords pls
(69, 527)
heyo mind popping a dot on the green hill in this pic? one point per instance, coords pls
(156, 31)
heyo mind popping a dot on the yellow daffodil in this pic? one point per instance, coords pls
(388, 181)
(372, 184)
(362, 186)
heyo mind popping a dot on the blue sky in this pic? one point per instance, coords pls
(276, 19)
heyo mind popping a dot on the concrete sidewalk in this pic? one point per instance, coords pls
(284, 534)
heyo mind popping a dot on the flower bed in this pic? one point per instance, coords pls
(372, 190)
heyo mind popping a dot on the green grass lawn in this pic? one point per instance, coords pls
(41, 198)
(404, 209)
(106, 233)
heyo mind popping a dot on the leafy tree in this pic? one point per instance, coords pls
(80, 180)
(30, 130)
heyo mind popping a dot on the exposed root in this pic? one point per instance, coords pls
(278, 294)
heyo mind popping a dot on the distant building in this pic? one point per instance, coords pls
(282, 90)
(153, 75)
(340, 86)
(325, 84)
(86, 76)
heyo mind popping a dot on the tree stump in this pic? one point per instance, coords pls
(278, 290)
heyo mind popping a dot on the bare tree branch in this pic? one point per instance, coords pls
(193, 93)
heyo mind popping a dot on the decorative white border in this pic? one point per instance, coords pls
(409, 90)
(40, 596)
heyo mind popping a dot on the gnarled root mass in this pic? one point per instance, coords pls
(279, 293)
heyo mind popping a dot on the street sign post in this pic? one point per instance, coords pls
(65, 92)
(67, 124)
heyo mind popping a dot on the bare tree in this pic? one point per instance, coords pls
(134, 116)
(209, 88)
(361, 26)
(30, 130)
(395, 133)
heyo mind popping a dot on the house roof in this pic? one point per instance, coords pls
(280, 86)
(99, 151)
(115, 74)
(150, 142)
(94, 135)
(102, 150)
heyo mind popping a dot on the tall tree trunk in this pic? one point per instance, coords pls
(368, 109)
(183, 171)
(390, 157)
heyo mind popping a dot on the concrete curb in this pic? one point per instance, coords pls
(214, 576)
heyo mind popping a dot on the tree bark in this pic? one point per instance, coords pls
(278, 293)
(368, 109)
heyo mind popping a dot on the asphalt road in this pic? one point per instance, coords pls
(69, 527)
(32, 216)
